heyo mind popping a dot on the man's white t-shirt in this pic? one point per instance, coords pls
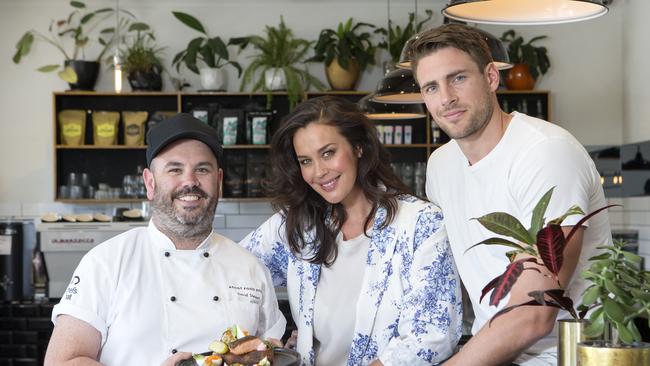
(148, 299)
(335, 304)
(532, 156)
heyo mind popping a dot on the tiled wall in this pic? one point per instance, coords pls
(236, 219)
(633, 215)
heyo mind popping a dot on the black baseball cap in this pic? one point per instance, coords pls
(177, 127)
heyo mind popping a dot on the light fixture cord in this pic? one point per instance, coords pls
(117, 30)
(416, 12)
(389, 29)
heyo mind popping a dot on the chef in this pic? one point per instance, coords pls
(152, 294)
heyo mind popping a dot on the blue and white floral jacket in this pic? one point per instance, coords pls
(409, 311)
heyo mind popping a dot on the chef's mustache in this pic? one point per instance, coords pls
(190, 190)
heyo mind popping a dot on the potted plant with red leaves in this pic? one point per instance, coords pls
(544, 244)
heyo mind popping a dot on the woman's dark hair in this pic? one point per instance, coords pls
(304, 209)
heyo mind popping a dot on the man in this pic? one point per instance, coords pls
(145, 295)
(500, 162)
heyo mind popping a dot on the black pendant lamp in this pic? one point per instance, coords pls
(525, 12)
(497, 49)
(398, 87)
(385, 111)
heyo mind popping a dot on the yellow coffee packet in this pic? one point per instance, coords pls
(72, 125)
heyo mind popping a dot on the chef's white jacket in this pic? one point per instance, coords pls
(148, 299)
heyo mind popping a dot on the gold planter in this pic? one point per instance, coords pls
(340, 78)
(595, 354)
(570, 333)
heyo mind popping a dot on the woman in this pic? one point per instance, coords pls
(368, 269)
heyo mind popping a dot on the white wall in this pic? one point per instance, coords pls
(636, 48)
(586, 78)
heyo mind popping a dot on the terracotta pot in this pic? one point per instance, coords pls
(340, 78)
(519, 78)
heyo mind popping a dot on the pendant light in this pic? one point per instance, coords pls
(397, 86)
(497, 49)
(117, 60)
(525, 12)
(385, 111)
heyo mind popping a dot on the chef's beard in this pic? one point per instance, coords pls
(185, 224)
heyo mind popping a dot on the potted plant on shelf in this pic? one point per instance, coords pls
(395, 38)
(543, 245)
(141, 58)
(346, 52)
(529, 61)
(204, 55)
(618, 295)
(276, 63)
(80, 28)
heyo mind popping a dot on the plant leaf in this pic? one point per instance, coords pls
(23, 46)
(498, 241)
(596, 324)
(590, 295)
(68, 75)
(573, 210)
(550, 245)
(577, 225)
(190, 21)
(77, 4)
(613, 310)
(624, 334)
(48, 68)
(537, 221)
(508, 279)
(510, 308)
(505, 224)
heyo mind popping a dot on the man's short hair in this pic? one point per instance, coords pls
(181, 126)
(459, 36)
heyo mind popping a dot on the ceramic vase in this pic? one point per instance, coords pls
(212, 79)
(519, 78)
(340, 78)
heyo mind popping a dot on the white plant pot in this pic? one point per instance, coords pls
(275, 79)
(212, 78)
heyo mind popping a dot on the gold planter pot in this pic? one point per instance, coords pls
(340, 78)
(594, 353)
(570, 333)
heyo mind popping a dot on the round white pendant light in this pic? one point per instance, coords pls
(525, 12)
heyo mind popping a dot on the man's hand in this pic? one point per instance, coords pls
(176, 358)
(292, 342)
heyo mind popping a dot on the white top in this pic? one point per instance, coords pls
(336, 298)
(533, 156)
(146, 298)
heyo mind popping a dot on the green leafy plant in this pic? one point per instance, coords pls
(526, 53)
(544, 245)
(619, 293)
(71, 36)
(396, 37)
(211, 51)
(280, 49)
(347, 42)
(141, 54)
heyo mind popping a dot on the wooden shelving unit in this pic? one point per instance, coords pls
(109, 164)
